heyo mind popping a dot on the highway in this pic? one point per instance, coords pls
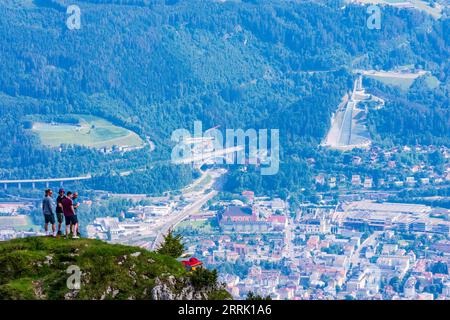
(183, 214)
(190, 208)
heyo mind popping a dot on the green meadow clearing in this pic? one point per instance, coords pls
(402, 80)
(91, 132)
(202, 226)
(403, 83)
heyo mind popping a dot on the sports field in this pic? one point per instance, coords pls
(91, 132)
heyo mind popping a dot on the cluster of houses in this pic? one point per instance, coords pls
(399, 174)
(15, 221)
(325, 267)
(355, 250)
(9, 233)
(250, 220)
(138, 222)
(368, 182)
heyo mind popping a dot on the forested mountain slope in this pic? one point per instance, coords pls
(155, 66)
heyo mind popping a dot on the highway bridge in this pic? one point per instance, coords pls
(47, 182)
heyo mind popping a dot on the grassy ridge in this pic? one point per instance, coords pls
(36, 268)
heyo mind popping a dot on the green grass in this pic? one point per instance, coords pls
(403, 83)
(20, 289)
(106, 265)
(202, 226)
(207, 179)
(200, 185)
(36, 268)
(432, 82)
(91, 132)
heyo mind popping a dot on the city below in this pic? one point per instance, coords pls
(352, 244)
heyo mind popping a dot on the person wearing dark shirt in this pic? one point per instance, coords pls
(69, 215)
(47, 210)
(59, 209)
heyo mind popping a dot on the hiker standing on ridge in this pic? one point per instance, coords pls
(59, 209)
(76, 205)
(47, 210)
(69, 215)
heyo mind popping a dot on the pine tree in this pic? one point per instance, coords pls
(172, 245)
(252, 296)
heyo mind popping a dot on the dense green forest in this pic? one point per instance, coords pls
(419, 116)
(156, 66)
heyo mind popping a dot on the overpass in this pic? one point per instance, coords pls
(202, 157)
(46, 181)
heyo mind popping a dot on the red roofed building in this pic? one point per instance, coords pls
(277, 221)
(192, 264)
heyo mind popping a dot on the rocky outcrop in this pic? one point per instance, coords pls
(46, 268)
(171, 288)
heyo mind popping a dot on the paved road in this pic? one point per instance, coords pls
(183, 214)
(289, 236)
(192, 207)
